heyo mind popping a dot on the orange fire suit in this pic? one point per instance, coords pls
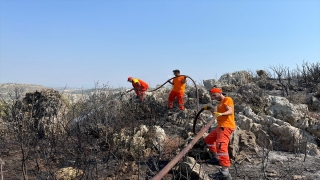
(218, 140)
(178, 89)
(141, 92)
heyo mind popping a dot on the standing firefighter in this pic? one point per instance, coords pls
(218, 140)
(139, 86)
(179, 86)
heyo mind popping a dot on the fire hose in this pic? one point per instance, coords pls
(194, 83)
(176, 159)
(195, 121)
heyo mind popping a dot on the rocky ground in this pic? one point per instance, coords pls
(109, 135)
(278, 165)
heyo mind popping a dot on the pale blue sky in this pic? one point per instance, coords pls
(78, 42)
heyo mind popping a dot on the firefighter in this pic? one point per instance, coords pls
(179, 86)
(217, 141)
(139, 86)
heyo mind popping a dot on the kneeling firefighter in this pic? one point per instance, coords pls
(218, 140)
(139, 86)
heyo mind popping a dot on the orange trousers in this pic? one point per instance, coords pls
(180, 96)
(141, 94)
(218, 142)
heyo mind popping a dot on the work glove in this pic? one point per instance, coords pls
(217, 114)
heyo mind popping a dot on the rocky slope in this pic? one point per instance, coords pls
(111, 135)
(270, 128)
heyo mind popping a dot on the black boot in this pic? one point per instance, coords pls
(221, 175)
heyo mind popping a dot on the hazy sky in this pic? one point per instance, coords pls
(79, 42)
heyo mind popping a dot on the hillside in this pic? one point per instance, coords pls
(109, 135)
(8, 89)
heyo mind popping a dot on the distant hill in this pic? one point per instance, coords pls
(8, 88)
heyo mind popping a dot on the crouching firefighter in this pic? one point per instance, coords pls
(139, 86)
(218, 140)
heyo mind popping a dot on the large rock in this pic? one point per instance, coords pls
(311, 125)
(190, 168)
(293, 139)
(46, 108)
(266, 84)
(314, 103)
(204, 96)
(157, 136)
(263, 139)
(281, 108)
(306, 123)
(133, 146)
(246, 123)
(234, 143)
(242, 145)
(264, 120)
(237, 78)
(285, 136)
(138, 141)
(140, 144)
(250, 94)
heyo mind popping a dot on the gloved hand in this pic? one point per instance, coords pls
(217, 114)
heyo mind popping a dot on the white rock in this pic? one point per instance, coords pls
(237, 78)
(290, 137)
(281, 108)
(68, 173)
(190, 168)
(287, 136)
(143, 130)
(159, 137)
